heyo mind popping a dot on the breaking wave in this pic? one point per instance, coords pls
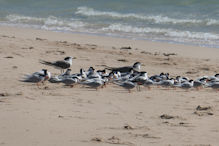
(49, 23)
(157, 19)
(160, 32)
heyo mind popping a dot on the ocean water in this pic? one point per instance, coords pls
(194, 22)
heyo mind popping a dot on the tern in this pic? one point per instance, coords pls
(61, 64)
(93, 83)
(136, 67)
(59, 78)
(70, 81)
(37, 77)
(214, 85)
(127, 85)
(186, 85)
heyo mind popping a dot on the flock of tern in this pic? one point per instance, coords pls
(127, 77)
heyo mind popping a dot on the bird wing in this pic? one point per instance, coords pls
(61, 64)
(33, 78)
(122, 69)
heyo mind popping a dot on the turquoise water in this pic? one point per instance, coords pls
(177, 21)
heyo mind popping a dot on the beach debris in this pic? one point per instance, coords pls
(128, 127)
(199, 108)
(114, 140)
(30, 48)
(205, 68)
(145, 52)
(111, 140)
(169, 54)
(122, 60)
(203, 110)
(92, 46)
(63, 42)
(56, 52)
(156, 53)
(19, 93)
(61, 52)
(5, 36)
(9, 57)
(198, 113)
(191, 72)
(97, 139)
(126, 48)
(40, 39)
(60, 116)
(165, 116)
(182, 123)
(4, 94)
(165, 63)
(14, 67)
(146, 136)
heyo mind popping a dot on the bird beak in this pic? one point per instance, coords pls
(46, 77)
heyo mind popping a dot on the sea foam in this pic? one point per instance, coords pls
(157, 19)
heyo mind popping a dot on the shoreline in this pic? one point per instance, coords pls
(197, 51)
(115, 36)
(54, 114)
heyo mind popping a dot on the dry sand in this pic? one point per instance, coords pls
(58, 115)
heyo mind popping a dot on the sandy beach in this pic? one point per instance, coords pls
(57, 115)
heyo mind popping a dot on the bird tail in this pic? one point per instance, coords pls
(46, 62)
(25, 78)
(119, 83)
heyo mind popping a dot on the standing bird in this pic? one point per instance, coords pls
(37, 77)
(140, 79)
(126, 84)
(61, 64)
(93, 83)
(70, 81)
(136, 67)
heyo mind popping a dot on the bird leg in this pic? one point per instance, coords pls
(43, 82)
(187, 90)
(38, 85)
